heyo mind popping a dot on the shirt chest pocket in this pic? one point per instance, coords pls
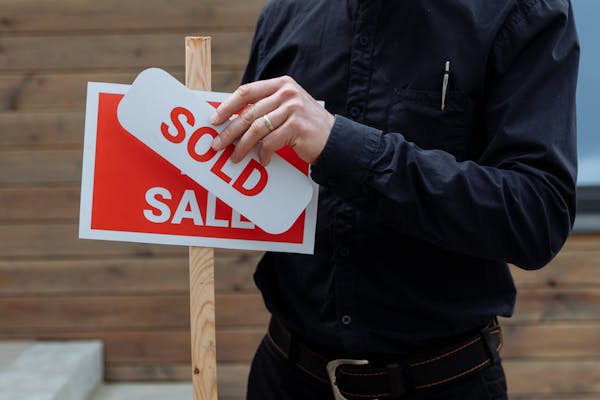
(419, 117)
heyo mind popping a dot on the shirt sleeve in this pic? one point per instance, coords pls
(516, 201)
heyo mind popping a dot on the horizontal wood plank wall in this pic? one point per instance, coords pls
(134, 297)
(552, 344)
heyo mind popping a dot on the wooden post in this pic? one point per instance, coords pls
(202, 271)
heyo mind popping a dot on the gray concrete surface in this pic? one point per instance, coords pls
(10, 350)
(143, 391)
(52, 371)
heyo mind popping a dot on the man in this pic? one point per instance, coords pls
(446, 149)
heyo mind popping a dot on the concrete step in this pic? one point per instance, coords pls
(143, 391)
(10, 350)
(50, 370)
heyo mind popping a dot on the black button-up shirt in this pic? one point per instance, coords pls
(420, 207)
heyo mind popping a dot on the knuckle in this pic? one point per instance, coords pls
(243, 91)
(293, 106)
(287, 92)
(226, 135)
(295, 124)
(255, 129)
(289, 80)
(248, 117)
(224, 138)
(268, 145)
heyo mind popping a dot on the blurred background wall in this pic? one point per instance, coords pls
(135, 297)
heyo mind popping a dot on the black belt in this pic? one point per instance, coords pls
(394, 380)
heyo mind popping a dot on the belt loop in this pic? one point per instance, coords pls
(400, 383)
(487, 340)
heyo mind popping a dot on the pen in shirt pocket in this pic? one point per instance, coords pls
(445, 83)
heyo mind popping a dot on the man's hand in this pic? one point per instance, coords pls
(293, 118)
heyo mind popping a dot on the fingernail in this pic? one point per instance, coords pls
(214, 118)
(216, 143)
(264, 159)
(261, 155)
(235, 158)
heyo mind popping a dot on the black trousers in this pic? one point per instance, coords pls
(272, 377)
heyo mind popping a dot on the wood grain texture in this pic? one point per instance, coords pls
(39, 205)
(570, 396)
(232, 376)
(39, 167)
(131, 51)
(157, 346)
(60, 240)
(42, 129)
(156, 312)
(89, 277)
(198, 67)
(583, 242)
(198, 62)
(56, 91)
(579, 304)
(569, 268)
(19, 16)
(558, 377)
(122, 275)
(202, 317)
(158, 372)
(24, 314)
(562, 340)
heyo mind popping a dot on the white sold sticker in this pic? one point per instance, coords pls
(173, 121)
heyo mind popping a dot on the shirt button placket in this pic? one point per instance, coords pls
(349, 311)
(345, 279)
(361, 59)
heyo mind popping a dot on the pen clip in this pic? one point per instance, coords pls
(445, 84)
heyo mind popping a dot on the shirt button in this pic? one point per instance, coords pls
(363, 40)
(344, 252)
(346, 320)
(354, 112)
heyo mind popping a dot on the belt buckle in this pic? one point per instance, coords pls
(332, 367)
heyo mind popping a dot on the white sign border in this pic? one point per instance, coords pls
(87, 185)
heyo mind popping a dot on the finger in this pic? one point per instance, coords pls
(240, 125)
(264, 155)
(280, 137)
(245, 94)
(258, 131)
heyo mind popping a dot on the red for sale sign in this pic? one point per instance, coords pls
(156, 179)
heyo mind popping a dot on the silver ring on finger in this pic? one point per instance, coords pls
(268, 123)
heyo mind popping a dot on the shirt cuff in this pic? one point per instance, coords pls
(348, 154)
